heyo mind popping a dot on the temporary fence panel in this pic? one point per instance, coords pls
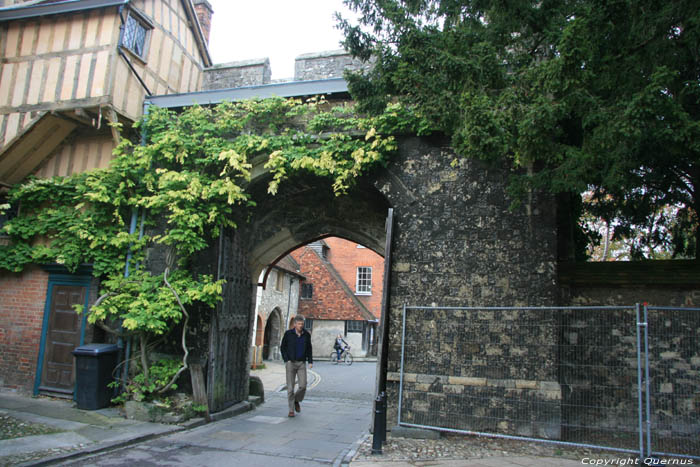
(672, 375)
(560, 375)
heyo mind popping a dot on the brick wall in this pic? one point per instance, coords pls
(22, 300)
(330, 301)
(204, 12)
(346, 257)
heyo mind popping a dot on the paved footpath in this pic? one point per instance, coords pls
(328, 431)
(323, 433)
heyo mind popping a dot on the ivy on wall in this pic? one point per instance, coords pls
(190, 174)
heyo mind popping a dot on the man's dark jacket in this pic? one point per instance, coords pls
(288, 346)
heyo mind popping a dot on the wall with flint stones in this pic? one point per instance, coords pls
(672, 291)
(456, 243)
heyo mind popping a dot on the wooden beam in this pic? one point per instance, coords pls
(631, 273)
(33, 147)
(113, 119)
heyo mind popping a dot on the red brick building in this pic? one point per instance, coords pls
(347, 258)
(341, 294)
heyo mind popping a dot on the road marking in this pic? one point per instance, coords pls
(317, 379)
(266, 419)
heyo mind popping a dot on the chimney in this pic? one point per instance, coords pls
(204, 12)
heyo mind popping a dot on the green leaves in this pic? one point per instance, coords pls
(189, 180)
(188, 177)
(144, 303)
(573, 94)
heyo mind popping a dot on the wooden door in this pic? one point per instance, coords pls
(384, 321)
(266, 339)
(62, 337)
(231, 329)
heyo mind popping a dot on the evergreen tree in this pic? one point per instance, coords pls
(597, 96)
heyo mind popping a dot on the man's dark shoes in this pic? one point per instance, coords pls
(297, 406)
(290, 414)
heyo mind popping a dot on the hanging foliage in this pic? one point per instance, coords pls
(189, 175)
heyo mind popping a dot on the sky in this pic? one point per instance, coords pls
(278, 29)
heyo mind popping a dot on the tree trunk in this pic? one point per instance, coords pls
(144, 359)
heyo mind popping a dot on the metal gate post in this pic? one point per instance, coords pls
(646, 376)
(379, 434)
(640, 412)
(403, 346)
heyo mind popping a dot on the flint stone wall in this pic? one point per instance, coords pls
(674, 349)
(457, 243)
(286, 302)
(488, 371)
(324, 65)
(237, 74)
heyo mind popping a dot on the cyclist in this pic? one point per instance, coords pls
(338, 345)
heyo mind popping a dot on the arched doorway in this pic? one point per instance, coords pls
(259, 332)
(258, 347)
(271, 345)
(304, 209)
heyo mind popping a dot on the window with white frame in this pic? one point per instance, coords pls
(136, 33)
(363, 284)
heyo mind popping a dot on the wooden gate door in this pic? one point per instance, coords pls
(231, 330)
(266, 338)
(384, 322)
(62, 336)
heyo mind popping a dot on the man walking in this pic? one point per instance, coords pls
(296, 351)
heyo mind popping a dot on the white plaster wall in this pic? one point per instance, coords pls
(355, 341)
(324, 334)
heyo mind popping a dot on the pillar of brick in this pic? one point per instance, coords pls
(204, 12)
(22, 299)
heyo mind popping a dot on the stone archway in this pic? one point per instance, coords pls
(305, 209)
(455, 243)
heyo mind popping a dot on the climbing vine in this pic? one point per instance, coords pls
(186, 180)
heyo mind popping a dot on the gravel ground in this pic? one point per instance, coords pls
(11, 427)
(18, 459)
(470, 447)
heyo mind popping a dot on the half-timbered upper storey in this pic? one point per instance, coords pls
(69, 67)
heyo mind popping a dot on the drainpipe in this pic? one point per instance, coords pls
(132, 229)
(289, 302)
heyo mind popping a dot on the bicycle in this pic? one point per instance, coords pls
(345, 355)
